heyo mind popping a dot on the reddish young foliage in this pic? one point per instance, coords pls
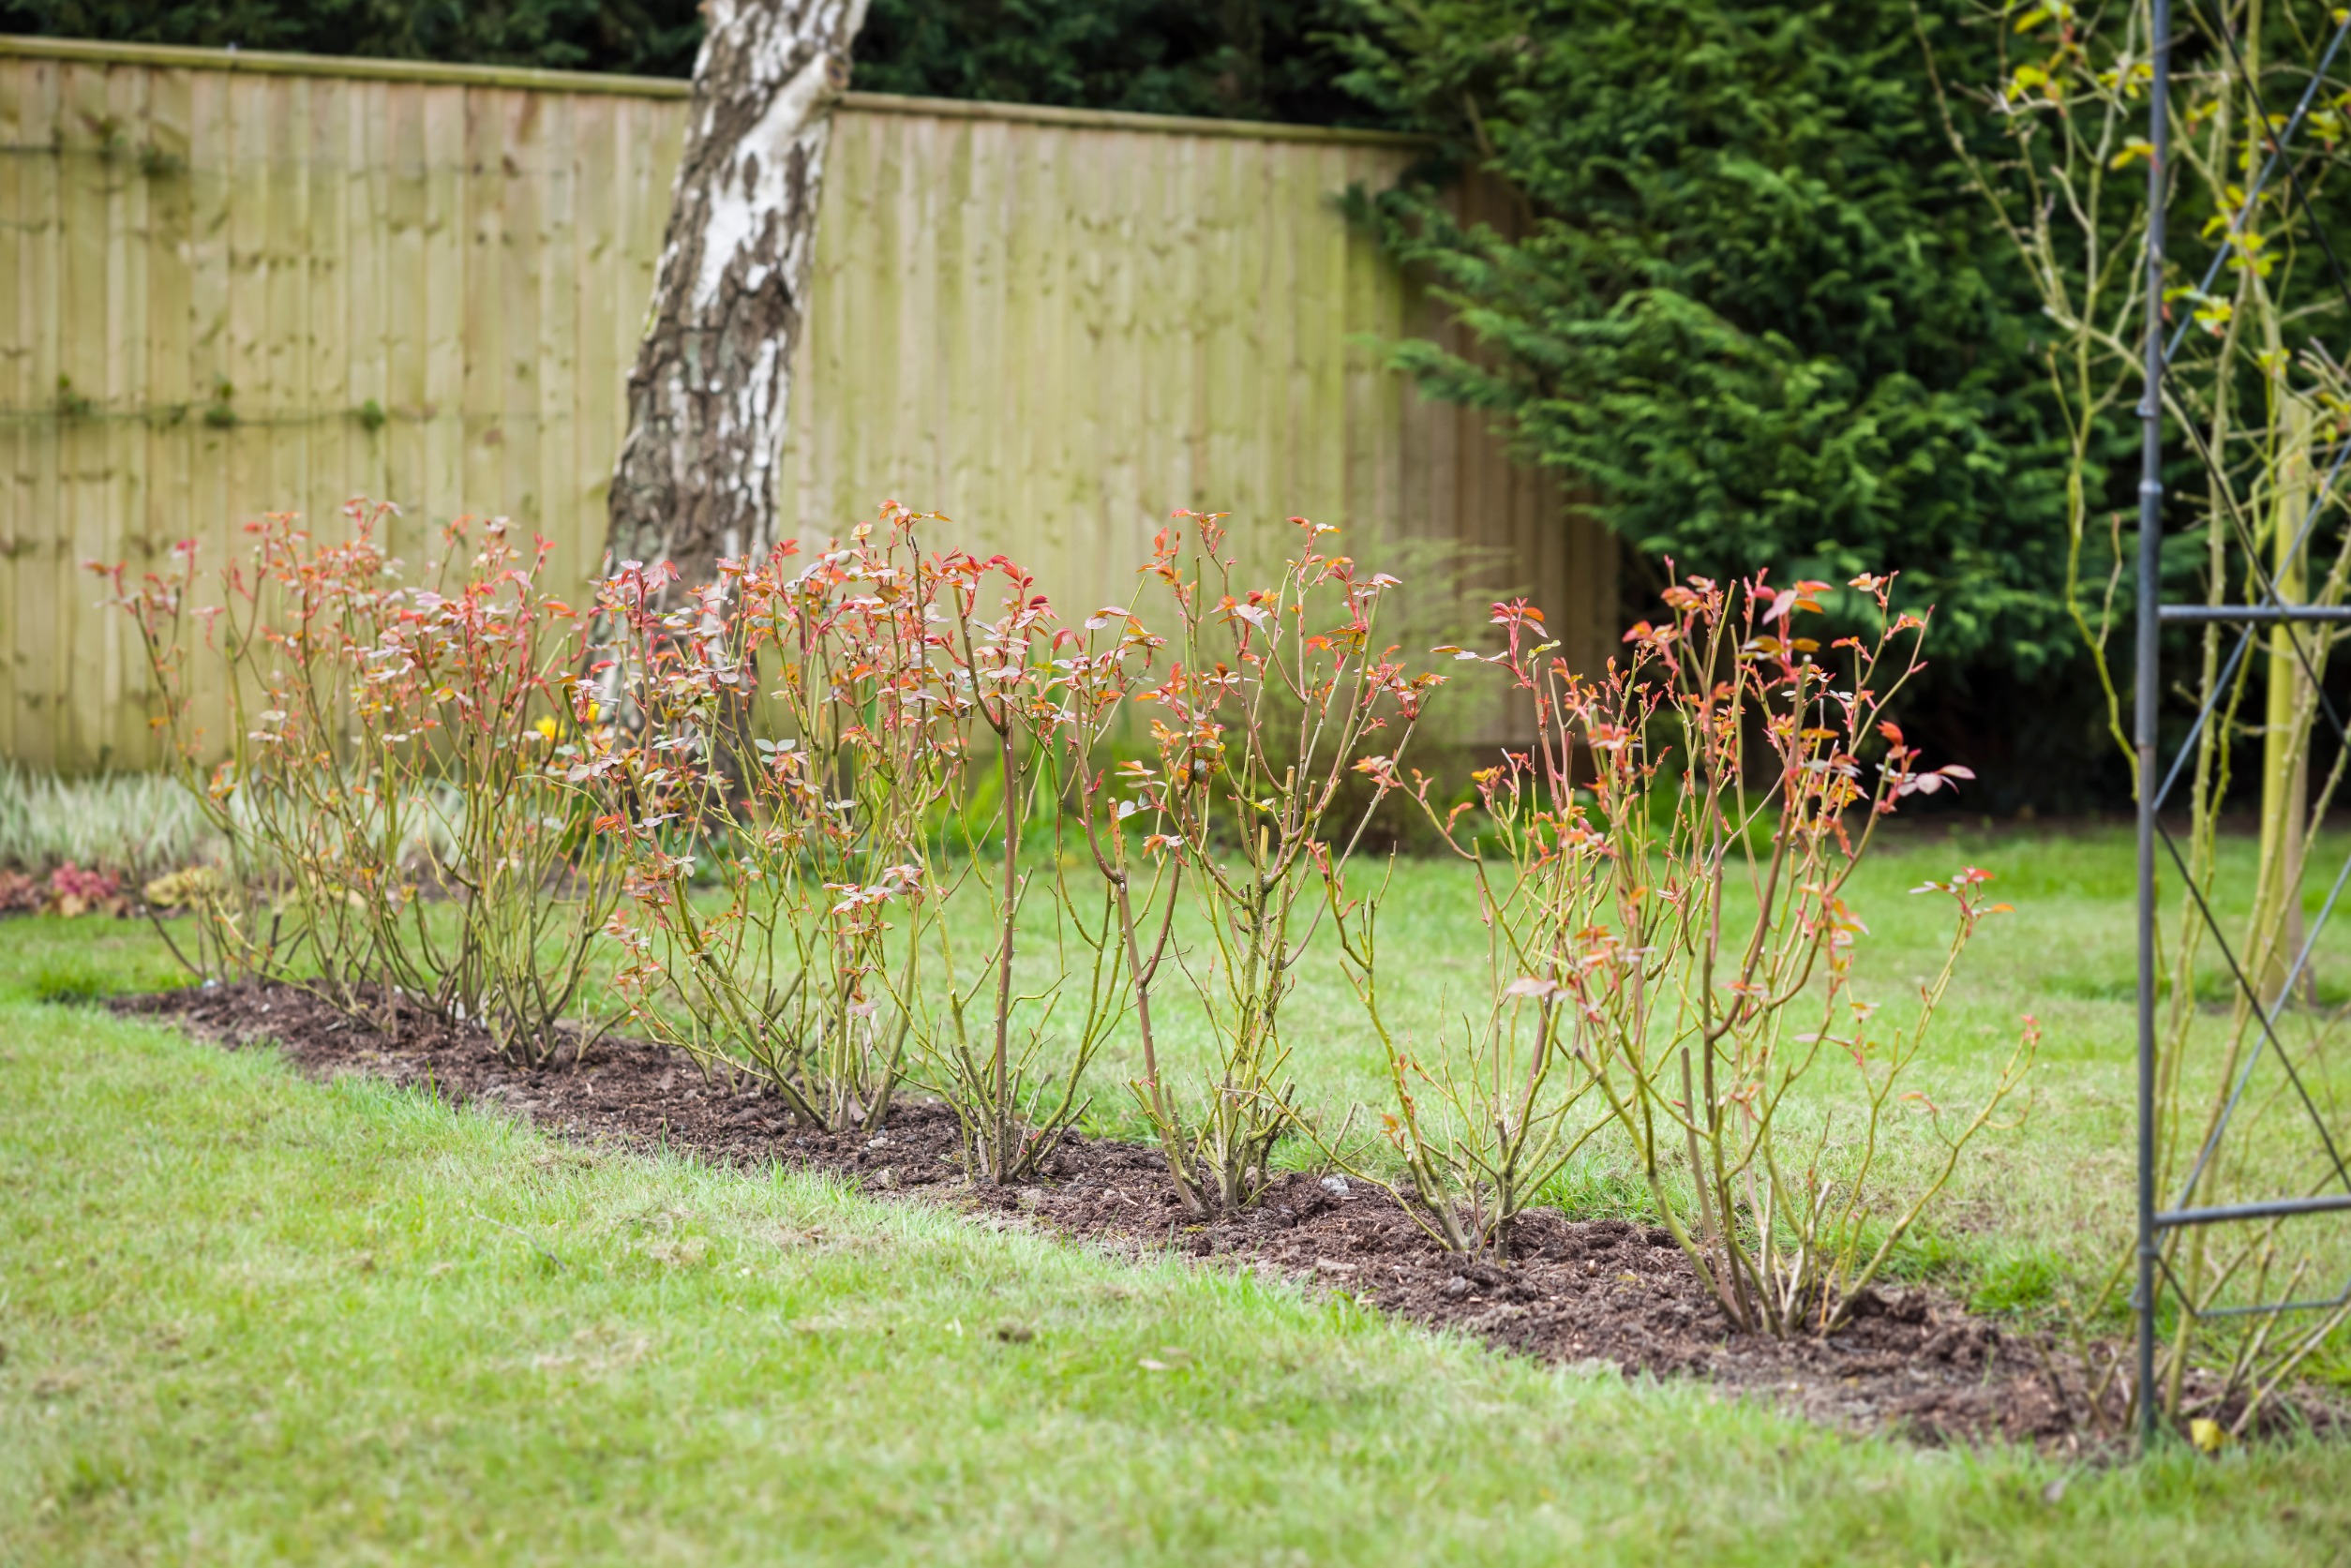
(390, 750)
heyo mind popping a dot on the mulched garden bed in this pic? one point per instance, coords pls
(1912, 1361)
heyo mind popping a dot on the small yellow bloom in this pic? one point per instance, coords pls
(2207, 1434)
(545, 728)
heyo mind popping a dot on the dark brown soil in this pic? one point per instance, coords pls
(1593, 1290)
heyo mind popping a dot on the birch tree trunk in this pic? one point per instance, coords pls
(695, 480)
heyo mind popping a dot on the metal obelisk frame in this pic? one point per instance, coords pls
(2148, 689)
(2273, 608)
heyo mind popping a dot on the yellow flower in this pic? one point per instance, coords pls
(545, 728)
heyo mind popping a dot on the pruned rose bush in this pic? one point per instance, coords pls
(1662, 877)
(879, 818)
(850, 745)
(792, 742)
(391, 751)
(1274, 693)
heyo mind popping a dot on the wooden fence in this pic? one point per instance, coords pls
(235, 283)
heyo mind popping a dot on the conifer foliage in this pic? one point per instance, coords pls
(1746, 299)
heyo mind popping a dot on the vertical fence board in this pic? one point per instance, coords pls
(482, 341)
(365, 224)
(17, 432)
(521, 257)
(87, 317)
(165, 426)
(203, 444)
(54, 497)
(439, 482)
(100, 656)
(401, 242)
(594, 279)
(282, 400)
(24, 178)
(239, 380)
(556, 351)
(332, 473)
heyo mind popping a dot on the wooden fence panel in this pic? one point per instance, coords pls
(234, 284)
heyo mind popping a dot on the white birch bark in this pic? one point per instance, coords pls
(696, 478)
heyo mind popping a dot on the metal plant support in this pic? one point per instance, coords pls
(2160, 1214)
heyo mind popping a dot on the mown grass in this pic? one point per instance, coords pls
(253, 1319)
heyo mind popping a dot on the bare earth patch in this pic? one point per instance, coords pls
(1913, 1361)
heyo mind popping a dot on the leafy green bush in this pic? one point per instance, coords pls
(1240, 59)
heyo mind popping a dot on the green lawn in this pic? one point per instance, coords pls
(251, 1318)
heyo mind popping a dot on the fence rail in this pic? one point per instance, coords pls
(239, 283)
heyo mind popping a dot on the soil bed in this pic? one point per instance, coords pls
(1912, 1361)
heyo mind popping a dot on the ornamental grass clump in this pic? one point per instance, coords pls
(1272, 697)
(140, 827)
(398, 788)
